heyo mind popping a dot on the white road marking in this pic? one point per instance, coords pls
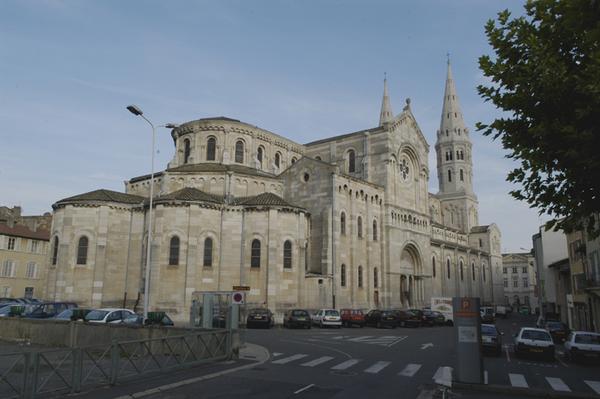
(304, 389)
(360, 339)
(507, 355)
(427, 345)
(402, 338)
(557, 384)
(518, 380)
(595, 385)
(289, 359)
(318, 361)
(443, 376)
(345, 365)
(485, 377)
(410, 370)
(275, 354)
(377, 367)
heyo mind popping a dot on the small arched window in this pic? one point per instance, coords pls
(287, 254)
(211, 149)
(318, 158)
(359, 226)
(208, 252)
(55, 251)
(294, 160)
(277, 159)
(255, 254)
(448, 267)
(343, 276)
(473, 270)
(174, 251)
(375, 278)
(374, 230)
(343, 223)
(82, 250)
(462, 177)
(351, 161)
(483, 272)
(239, 151)
(360, 277)
(449, 175)
(433, 267)
(462, 276)
(259, 155)
(187, 149)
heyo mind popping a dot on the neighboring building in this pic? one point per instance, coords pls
(519, 280)
(345, 221)
(12, 217)
(23, 258)
(592, 279)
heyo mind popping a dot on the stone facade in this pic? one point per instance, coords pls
(519, 279)
(345, 221)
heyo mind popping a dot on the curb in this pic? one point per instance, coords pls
(522, 392)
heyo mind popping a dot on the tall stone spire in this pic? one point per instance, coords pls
(386, 114)
(455, 164)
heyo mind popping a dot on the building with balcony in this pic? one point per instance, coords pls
(519, 280)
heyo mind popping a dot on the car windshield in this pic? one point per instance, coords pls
(536, 335)
(65, 314)
(488, 330)
(301, 313)
(387, 313)
(96, 315)
(590, 339)
(332, 313)
(260, 311)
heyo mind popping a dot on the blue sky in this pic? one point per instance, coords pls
(303, 69)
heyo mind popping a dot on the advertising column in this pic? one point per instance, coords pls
(467, 326)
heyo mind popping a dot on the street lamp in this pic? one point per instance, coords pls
(134, 109)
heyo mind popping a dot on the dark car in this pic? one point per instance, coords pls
(138, 320)
(68, 314)
(259, 318)
(406, 318)
(381, 318)
(558, 330)
(351, 317)
(491, 339)
(432, 318)
(46, 310)
(419, 313)
(297, 318)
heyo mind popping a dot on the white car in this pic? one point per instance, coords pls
(108, 315)
(534, 341)
(583, 345)
(327, 317)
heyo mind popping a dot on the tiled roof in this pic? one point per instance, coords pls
(23, 231)
(145, 177)
(268, 199)
(219, 167)
(104, 196)
(479, 229)
(190, 194)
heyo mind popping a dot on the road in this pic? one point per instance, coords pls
(382, 363)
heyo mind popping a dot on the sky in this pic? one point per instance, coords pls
(303, 69)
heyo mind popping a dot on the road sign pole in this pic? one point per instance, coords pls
(467, 326)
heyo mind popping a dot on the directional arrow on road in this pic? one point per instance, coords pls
(428, 345)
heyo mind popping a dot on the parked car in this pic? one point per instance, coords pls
(488, 316)
(327, 317)
(108, 315)
(524, 310)
(138, 320)
(491, 339)
(381, 318)
(559, 331)
(352, 317)
(259, 317)
(406, 318)
(534, 341)
(297, 318)
(419, 313)
(583, 345)
(46, 310)
(68, 313)
(432, 318)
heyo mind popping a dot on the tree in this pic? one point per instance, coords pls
(545, 76)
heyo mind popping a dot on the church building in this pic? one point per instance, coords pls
(344, 222)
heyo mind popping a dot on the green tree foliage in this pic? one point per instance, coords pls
(545, 76)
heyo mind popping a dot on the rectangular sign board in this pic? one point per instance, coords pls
(241, 288)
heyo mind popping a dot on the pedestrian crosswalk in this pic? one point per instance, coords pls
(381, 340)
(440, 375)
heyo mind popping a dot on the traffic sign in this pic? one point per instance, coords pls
(237, 298)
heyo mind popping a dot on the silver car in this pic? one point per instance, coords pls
(583, 345)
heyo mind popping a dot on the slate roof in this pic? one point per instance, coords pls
(480, 229)
(267, 199)
(190, 194)
(24, 231)
(103, 195)
(219, 167)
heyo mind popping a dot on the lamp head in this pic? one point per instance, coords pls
(135, 110)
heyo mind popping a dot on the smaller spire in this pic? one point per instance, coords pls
(386, 114)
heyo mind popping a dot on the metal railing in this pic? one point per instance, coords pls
(27, 375)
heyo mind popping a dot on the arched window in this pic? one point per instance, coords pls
(259, 155)
(462, 177)
(255, 254)
(208, 252)
(239, 151)
(82, 250)
(318, 158)
(351, 161)
(462, 276)
(55, 251)
(448, 267)
(483, 271)
(433, 266)
(343, 223)
(277, 159)
(360, 277)
(174, 251)
(211, 148)
(449, 175)
(186, 150)
(294, 160)
(359, 226)
(374, 230)
(287, 254)
(343, 276)
(473, 270)
(375, 278)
